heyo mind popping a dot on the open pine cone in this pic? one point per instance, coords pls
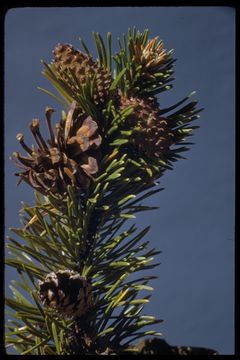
(70, 157)
(67, 292)
(68, 60)
(153, 137)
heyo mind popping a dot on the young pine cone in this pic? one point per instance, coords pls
(67, 60)
(67, 292)
(155, 65)
(151, 56)
(153, 136)
(70, 157)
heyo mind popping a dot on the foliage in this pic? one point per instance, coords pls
(88, 233)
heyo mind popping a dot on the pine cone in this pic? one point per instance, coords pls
(153, 137)
(155, 346)
(154, 64)
(67, 292)
(152, 56)
(70, 157)
(67, 58)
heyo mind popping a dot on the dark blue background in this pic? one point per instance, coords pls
(194, 226)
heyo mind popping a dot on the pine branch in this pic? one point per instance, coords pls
(84, 273)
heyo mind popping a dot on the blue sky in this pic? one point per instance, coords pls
(194, 227)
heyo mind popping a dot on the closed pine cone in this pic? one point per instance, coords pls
(67, 58)
(153, 136)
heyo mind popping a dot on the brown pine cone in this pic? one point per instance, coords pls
(67, 292)
(69, 157)
(153, 137)
(67, 58)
